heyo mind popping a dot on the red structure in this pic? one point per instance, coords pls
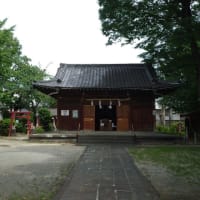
(18, 115)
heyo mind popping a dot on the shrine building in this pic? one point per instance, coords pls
(105, 97)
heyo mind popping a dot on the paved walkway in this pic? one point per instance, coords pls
(106, 172)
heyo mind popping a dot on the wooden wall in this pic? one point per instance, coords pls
(142, 118)
(68, 122)
(88, 117)
(137, 113)
(123, 118)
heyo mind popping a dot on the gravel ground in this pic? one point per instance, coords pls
(34, 170)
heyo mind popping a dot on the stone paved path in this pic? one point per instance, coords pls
(107, 172)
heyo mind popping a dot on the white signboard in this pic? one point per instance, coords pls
(75, 113)
(64, 112)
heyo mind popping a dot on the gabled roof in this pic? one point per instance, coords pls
(105, 76)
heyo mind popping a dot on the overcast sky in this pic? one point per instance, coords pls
(62, 31)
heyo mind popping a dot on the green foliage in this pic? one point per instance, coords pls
(182, 161)
(21, 126)
(39, 129)
(169, 34)
(10, 50)
(4, 127)
(171, 129)
(162, 129)
(45, 119)
(174, 129)
(5, 113)
(18, 90)
(17, 75)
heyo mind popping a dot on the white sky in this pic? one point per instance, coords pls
(62, 31)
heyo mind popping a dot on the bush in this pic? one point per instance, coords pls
(39, 129)
(171, 129)
(21, 126)
(159, 128)
(45, 119)
(4, 127)
(5, 113)
(162, 129)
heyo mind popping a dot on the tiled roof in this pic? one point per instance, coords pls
(104, 76)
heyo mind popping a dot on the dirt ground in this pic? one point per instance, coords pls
(34, 169)
(169, 186)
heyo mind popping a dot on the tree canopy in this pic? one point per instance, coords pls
(10, 50)
(169, 33)
(17, 75)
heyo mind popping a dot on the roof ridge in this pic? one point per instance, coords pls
(103, 64)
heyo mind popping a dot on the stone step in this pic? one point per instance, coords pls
(128, 138)
(105, 139)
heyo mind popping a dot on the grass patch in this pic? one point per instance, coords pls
(181, 161)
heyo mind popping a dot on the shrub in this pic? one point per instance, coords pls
(39, 129)
(162, 129)
(5, 113)
(171, 129)
(45, 119)
(165, 129)
(159, 128)
(21, 126)
(4, 127)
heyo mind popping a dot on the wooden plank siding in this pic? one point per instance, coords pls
(88, 117)
(123, 112)
(142, 118)
(68, 122)
(135, 113)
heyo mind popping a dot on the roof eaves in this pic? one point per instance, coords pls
(105, 88)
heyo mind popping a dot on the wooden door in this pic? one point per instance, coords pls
(123, 117)
(88, 117)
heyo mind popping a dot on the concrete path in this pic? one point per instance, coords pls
(107, 172)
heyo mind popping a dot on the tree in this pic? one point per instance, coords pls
(17, 76)
(169, 33)
(45, 118)
(18, 90)
(10, 50)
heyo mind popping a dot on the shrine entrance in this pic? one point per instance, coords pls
(105, 118)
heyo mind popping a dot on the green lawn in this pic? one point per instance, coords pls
(183, 161)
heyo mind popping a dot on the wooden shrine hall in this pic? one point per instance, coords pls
(105, 97)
